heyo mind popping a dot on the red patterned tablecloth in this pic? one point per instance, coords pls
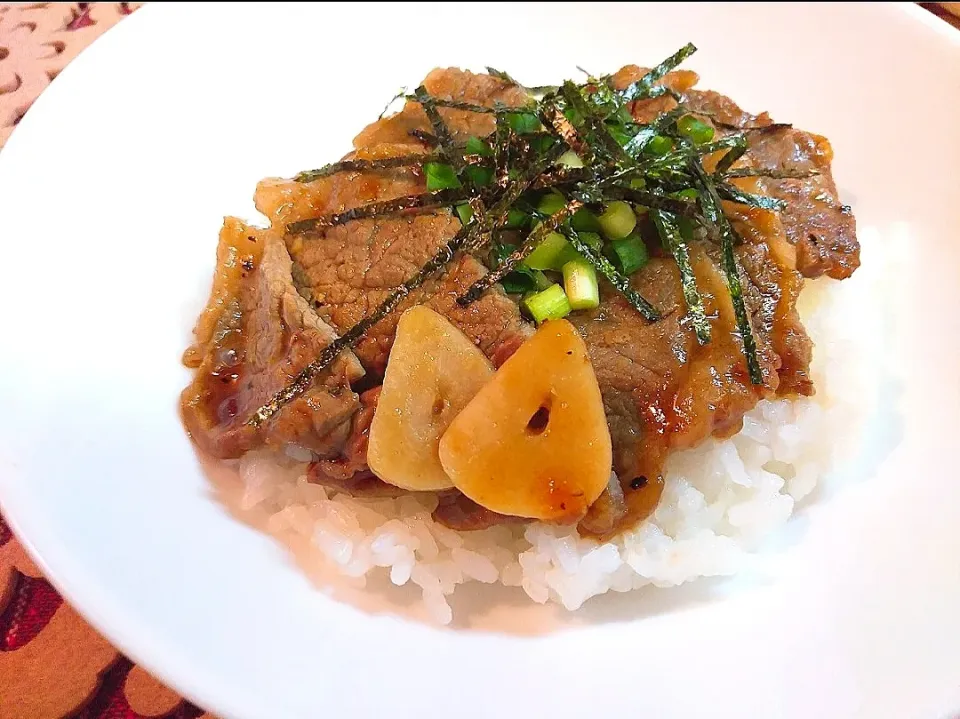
(52, 664)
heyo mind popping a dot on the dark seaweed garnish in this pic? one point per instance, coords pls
(440, 131)
(763, 202)
(786, 173)
(423, 202)
(718, 222)
(386, 163)
(669, 231)
(641, 88)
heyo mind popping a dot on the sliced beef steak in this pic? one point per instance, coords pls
(255, 335)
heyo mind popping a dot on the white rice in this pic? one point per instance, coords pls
(720, 498)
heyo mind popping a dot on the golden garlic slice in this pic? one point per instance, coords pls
(432, 373)
(534, 441)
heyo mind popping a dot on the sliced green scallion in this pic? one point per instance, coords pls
(617, 220)
(658, 145)
(464, 212)
(516, 218)
(476, 146)
(570, 159)
(580, 284)
(629, 254)
(550, 203)
(585, 221)
(548, 304)
(524, 123)
(551, 254)
(440, 176)
(697, 130)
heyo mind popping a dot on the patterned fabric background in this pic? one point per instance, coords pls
(52, 664)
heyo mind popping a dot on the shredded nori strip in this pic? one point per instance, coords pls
(444, 141)
(763, 202)
(402, 93)
(641, 87)
(786, 173)
(425, 201)
(684, 208)
(670, 235)
(563, 176)
(620, 282)
(386, 163)
(712, 210)
(734, 154)
(456, 104)
(425, 137)
(553, 117)
(501, 75)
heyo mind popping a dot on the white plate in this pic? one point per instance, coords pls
(113, 189)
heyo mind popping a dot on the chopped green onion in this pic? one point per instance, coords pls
(523, 280)
(629, 254)
(570, 159)
(697, 130)
(622, 133)
(548, 304)
(617, 220)
(659, 145)
(638, 183)
(523, 123)
(551, 202)
(465, 212)
(516, 218)
(580, 283)
(572, 115)
(440, 176)
(541, 281)
(476, 146)
(478, 175)
(551, 254)
(585, 221)
(690, 193)
(517, 283)
(541, 143)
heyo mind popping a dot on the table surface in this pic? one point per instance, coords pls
(52, 664)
